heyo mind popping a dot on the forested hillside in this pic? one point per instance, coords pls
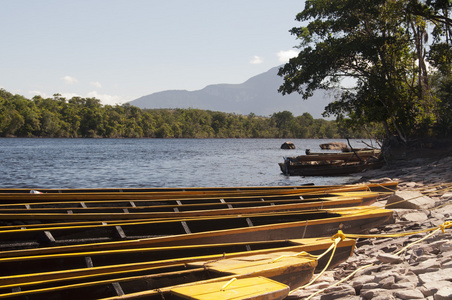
(87, 117)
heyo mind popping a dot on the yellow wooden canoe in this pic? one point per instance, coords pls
(21, 195)
(116, 210)
(292, 270)
(199, 230)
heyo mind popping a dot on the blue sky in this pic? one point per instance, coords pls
(118, 51)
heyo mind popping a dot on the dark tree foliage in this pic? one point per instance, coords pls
(88, 118)
(382, 48)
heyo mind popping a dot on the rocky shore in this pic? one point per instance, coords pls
(422, 271)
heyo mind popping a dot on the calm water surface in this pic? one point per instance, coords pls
(102, 163)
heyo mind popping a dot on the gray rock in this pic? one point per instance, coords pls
(367, 271)
(389, 258)
(409, 294)
(431, 265)
(334, 289)
(371, 294)
(447, 265)
(358, 282)
(443, 274)
(446, 247)
(447, 195)
(408, 277)
(288, 145)
(430, 288)
(333, 146)
(403, 286)
(318, 286)
(382, 275)
(444, 293)
(345, 291)
(384, 297)
(411, 184)
(415, 217)
(387, 282)
(410, 200)
(370, 286)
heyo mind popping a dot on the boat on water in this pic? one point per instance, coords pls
(199, 230)
(358, 155)
(152, 271)
(332, 164)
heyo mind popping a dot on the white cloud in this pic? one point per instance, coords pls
(106, 99)
(96, 84)
(38, 93)
(70, 95)
(284, 56)
(256, 60)
(70, 80)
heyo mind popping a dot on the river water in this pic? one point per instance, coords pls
(124, 163)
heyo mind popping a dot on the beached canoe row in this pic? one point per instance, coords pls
(61, 195)
(196, 244)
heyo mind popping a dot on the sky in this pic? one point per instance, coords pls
(118, 50)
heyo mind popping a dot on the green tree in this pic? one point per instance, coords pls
(283, 121)
(379, 47)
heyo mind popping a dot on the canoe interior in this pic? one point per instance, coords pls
(45, 210)
(209, 230)
(145, 243)
(287, 267)
(258, 288)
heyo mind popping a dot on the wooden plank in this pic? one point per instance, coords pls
(89, 262)
(186, 228)
(120, 232)
(118, 289)
(229, 205)
(258, 288)
(48, 236)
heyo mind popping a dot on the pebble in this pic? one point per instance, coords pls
(423, 271)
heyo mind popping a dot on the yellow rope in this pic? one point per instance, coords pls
(223, 288)
(336, 239)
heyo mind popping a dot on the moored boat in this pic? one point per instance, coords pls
(331, 164)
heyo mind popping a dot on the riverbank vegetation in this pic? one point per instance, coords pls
(389, 60)
(87, 117)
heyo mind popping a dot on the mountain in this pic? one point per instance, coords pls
(258, 95)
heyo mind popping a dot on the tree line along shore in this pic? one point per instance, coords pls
(78, 117)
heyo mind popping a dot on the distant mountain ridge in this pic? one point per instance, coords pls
(258, 95)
